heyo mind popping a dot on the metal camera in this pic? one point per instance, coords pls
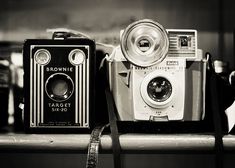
(157, 74)
(58, 83)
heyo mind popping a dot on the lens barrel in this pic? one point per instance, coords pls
(59, 87)
(159, 89)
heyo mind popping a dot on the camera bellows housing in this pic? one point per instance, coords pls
(59, 84)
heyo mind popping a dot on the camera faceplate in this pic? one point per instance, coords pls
(170, 105)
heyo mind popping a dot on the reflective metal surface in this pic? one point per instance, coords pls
(144, 43)
(142, 142)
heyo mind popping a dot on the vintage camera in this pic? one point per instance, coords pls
(157, 74)
(5, 83)
(59, 84)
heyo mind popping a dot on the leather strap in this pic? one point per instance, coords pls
(93, 147)
(114, 129)
(219, 149)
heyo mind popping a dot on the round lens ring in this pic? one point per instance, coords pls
(144, 43)
(42, 56)
(77, 57)
(59, 87)
(159, 89)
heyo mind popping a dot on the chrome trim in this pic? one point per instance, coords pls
(34, 92)
(135, 57)
(42, 95)
(88, 85)
(84, 94)
(71, 54)
(80, 94)
(31, 88)
(38, 94)
(76, 95)
(46, 52)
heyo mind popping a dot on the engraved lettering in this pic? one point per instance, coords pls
(172, 63)
(59, 69)
(62, 105)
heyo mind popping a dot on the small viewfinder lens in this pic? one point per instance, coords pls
(42, 56)
(77, 57)
(184, 41)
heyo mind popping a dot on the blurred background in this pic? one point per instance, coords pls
(103, 20)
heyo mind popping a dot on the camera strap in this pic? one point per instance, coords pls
(93, 147)
(219, 149)
(114, 129)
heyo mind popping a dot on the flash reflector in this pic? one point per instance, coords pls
(144, 43)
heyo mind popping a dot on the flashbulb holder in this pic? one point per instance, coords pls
(144, 43)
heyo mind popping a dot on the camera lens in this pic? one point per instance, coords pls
(159, 89)
(59, 87)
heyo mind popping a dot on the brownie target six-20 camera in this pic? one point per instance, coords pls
(157, 74)
(59, 83)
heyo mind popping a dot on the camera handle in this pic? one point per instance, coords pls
(63, 33)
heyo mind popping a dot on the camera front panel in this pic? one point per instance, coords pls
(159, 91)
(58, 85)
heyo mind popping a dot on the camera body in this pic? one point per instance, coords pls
(157, 74)
(59, 84)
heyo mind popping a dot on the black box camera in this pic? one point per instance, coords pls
(59, 84)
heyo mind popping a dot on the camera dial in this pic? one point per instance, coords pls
(59, 87)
